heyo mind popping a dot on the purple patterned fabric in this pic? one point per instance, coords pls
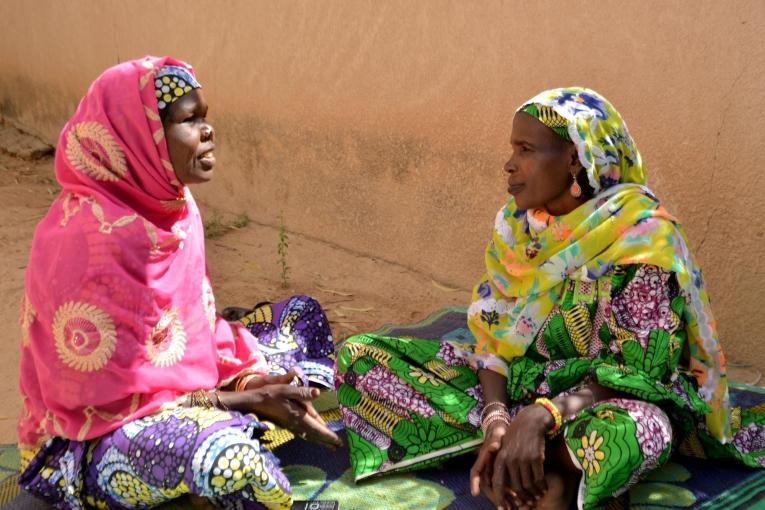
(296, 336)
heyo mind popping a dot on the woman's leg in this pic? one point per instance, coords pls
(295, 333)
(403, 399)
(203, 452)
(615, 442)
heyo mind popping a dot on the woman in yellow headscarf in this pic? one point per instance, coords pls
(596, 346)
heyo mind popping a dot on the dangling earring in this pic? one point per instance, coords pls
(576, 189)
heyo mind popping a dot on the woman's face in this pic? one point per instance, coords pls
(190, 138)
(541, 167)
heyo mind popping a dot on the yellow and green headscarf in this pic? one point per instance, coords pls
(624, 223)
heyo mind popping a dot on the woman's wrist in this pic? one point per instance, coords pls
(540, 415)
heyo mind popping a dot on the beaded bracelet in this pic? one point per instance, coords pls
(553, 410)
(488, 406)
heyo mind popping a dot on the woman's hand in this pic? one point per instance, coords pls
(273, 398)
(483, 468)
(521, 457)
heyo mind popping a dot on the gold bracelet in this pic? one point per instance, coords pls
(553, 410)
(200, 398)
(220, 405)
(488, 406)
(493, 417)
(241, 383)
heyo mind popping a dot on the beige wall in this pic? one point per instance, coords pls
(382, 126)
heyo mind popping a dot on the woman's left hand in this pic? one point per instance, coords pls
(521, 457)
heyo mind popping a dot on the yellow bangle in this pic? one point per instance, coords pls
(553, 410)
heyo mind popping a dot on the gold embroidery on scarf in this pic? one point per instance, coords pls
(166, 343)
(151, 114)
(159, 134)
(145, 79)
(106, 227)
(155, 247)
(26, 319)
(92, 150)
(70, 212)
(50, 418)
(151, 232)
(91, 411)
(174, 205)
(208, 300)
(168, 166)
(85, 336)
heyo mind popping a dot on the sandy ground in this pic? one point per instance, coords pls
(359, 293)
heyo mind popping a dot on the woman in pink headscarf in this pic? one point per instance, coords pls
(135, 391)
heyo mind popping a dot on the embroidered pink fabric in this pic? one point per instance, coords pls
(118, 316)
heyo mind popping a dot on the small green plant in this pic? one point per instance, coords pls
(281, 249)
(217, 227)
(214, 227)
(241, 221)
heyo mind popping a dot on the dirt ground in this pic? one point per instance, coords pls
(359, 293)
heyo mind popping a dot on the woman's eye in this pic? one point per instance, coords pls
(189, 119)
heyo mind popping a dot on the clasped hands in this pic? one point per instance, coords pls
(509, 469)
(273, 397)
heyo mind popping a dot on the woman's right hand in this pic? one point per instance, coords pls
(273, 398)
(483, 469)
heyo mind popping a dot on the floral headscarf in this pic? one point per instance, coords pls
(623, 224)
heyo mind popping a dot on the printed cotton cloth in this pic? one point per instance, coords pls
(527, 265)
(209, 453)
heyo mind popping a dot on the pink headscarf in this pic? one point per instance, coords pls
(118, 317)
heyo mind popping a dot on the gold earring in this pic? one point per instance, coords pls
(576, 189)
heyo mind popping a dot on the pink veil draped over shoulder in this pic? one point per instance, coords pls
(118, 316)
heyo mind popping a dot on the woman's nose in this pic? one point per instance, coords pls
(509, 166)
(208, 133)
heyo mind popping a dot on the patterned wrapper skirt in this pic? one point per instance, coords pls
(408, 403)
(204, 452)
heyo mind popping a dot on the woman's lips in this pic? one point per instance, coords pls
(514, 189)
(207, 160)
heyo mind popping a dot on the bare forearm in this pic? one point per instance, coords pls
(494, 386)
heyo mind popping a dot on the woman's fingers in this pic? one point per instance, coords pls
(311, 411)
(270, 379)
(498, 478)
(476, 472)
(529, 493)
(538, 469)
(318, 432)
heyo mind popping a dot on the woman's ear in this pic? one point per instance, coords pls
(574, 164)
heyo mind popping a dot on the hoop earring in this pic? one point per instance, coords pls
(576, 189)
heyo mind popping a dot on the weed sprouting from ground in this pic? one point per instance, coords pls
(218, 227)
(281, 249)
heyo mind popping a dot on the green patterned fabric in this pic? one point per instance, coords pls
(406, 403)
